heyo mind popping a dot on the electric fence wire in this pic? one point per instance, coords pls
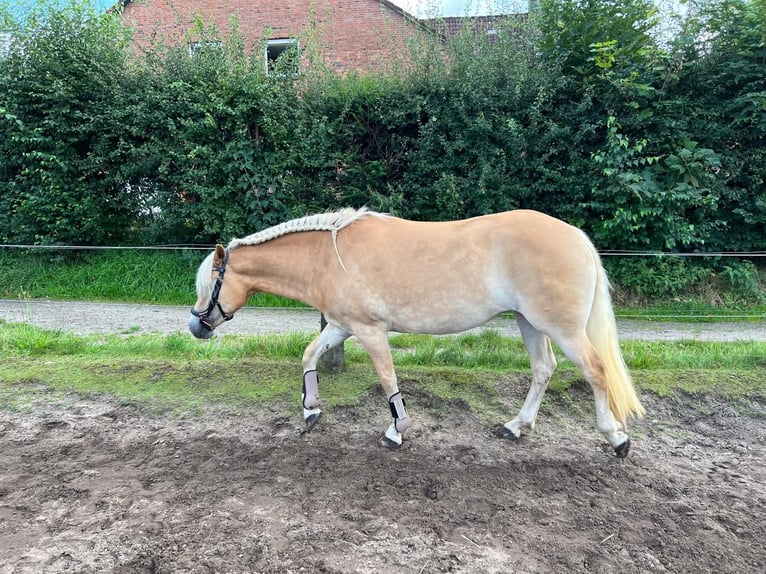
(205, 247)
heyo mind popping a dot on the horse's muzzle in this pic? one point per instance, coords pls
(198, 328)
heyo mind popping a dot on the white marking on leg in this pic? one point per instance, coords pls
(605, 421)
(528, 413)
(393, 435)
(582, 353)
(543, 363)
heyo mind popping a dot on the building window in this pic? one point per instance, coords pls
(282, 57)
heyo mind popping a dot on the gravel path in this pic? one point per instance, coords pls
(91, 318)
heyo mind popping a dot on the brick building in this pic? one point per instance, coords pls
(347, 35)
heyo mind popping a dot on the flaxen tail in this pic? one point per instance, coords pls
(602, 332)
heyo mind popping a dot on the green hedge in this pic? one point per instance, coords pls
(582, 112)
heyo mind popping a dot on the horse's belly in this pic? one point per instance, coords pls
(461, 302)
(441, 321)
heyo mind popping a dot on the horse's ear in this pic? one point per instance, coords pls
(220, 253)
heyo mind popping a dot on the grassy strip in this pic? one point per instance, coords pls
(177, 371)
(693, 311)
(487, 350)
(131, 276)
(189, 386)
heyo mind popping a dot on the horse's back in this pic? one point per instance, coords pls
(514, 239)
(455, 275)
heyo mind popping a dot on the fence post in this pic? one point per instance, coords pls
(333, 360)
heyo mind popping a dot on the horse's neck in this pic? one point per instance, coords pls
(287, 266)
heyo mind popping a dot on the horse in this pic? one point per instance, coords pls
(371, 273)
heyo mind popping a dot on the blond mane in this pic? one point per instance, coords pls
(332, 221)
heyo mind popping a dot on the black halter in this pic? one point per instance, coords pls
(204, 316)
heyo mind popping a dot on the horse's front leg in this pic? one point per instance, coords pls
(375, 342)
(331, 336)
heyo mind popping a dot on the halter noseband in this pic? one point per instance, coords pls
(204, 316)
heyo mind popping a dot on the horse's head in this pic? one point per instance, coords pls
(214, 303)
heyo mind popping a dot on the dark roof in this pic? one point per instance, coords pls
(452, 26)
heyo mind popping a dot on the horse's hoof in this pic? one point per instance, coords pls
(503, 432)
(311, 421)
(388, 443)
(622, 450)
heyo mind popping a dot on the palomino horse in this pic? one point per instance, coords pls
(371, 273)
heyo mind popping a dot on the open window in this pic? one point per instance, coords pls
(282, 57)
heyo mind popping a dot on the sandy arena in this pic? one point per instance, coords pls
(88, 485)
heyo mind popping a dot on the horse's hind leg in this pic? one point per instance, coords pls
(582, 353)
(543, 363)
(330, 337)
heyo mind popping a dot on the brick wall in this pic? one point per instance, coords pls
(347, 34)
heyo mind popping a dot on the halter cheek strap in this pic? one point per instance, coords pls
(204, 316)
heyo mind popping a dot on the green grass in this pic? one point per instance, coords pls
(178, 371)
(130, 276)
(487, 350)
(695, 311)
(178, 384)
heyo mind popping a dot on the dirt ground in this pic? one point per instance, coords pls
(89, 485)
